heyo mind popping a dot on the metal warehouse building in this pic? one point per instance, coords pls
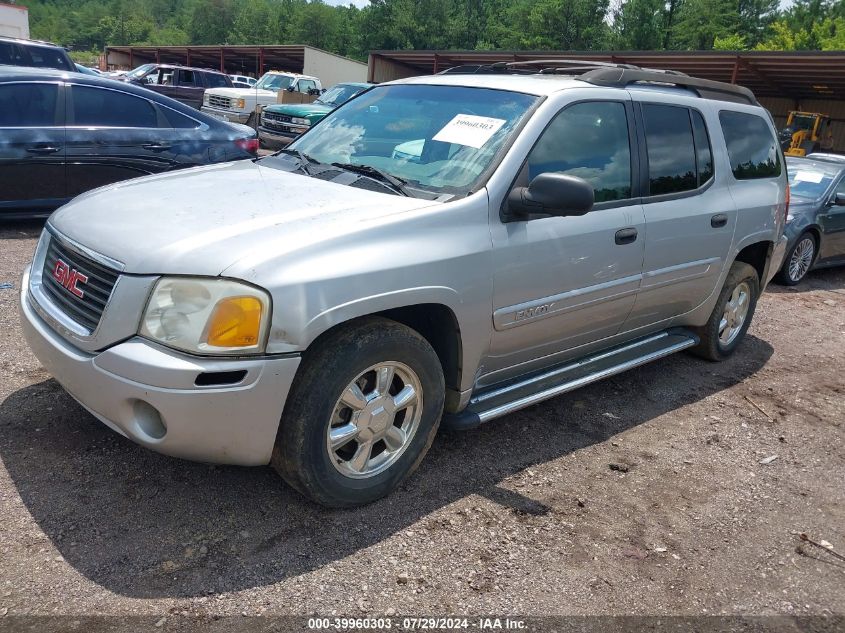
(812, 81)
(242, 60)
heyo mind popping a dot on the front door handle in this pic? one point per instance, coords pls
(719, 220)
(157, 147)
(626, 236)
(43, 149)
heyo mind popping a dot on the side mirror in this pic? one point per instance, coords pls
(839, 200)
(552, 194)
(290, 89)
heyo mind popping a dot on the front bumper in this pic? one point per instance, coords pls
(148, 394)
(275, 139)
(231, 116)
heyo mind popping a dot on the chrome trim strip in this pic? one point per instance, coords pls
(679, 273)
(106, 261)
(538, 309)
(527, 401)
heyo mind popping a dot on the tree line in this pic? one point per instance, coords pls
(89, 25)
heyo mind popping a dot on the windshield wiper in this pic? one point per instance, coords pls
(395, 183)
(304, 159)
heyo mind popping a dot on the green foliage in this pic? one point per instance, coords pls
(732, 42)
(89, 25)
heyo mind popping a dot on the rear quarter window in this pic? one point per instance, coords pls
(213, 80)
(752, 147)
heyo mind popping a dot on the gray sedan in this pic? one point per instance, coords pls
(816, 221)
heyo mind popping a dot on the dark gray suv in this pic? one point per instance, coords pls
(34, 53)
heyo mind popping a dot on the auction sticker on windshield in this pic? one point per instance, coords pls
(469, 129)
(809, 176)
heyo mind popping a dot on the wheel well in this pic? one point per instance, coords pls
(439, 326)
(756, 255)
(817, 236)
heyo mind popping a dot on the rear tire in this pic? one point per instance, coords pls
(731, 316)
(362, 413)
(798, 261)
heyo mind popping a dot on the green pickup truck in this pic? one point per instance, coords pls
(282, 123)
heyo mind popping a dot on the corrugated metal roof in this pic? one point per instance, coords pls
(793, 74)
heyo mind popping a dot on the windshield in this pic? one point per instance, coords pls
(274, 83)
(440, 138)
(803, 122)
(141, 70)
(807, 182)
(339, 94)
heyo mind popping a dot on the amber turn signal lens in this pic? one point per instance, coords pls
(235, 322)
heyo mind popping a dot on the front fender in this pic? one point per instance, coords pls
(379, 303)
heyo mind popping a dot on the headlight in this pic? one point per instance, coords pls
(207, 316)
(205, 98)
(239, 104)
(298, 121)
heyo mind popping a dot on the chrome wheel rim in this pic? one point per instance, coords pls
(736, 311)
(374, 420)
(802, 259)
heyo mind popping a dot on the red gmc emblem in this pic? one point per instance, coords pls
(69, 277)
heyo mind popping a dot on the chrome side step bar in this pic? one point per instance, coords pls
(524, 392)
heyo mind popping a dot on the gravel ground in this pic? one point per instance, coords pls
(524, 516)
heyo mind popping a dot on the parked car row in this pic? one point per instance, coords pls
(239, 104)
(281, 123)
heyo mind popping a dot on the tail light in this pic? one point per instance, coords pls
(786, 206)
(248, 144)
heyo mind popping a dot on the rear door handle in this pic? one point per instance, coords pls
(626, 236)
(719, 220)
(43, 149)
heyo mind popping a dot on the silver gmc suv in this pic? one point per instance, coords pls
(438, 249)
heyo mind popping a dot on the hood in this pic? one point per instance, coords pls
(202, 221)
(240, 93)
(299, 109)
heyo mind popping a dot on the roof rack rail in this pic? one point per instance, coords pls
(705, 88)
(613, 75)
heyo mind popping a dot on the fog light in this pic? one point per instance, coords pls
(148, 420)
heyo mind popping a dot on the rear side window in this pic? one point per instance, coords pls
(28, 105)
(179, 121)
(110, 108)
(10, 54)
(671, 149)
(752, 148)
(588, 140)
(216, 81)
(187, 78)
(49, 58)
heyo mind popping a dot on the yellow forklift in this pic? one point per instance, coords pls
(806, 132)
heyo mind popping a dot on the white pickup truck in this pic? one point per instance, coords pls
(238, 104)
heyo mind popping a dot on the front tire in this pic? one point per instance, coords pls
(732, 314)
(362, 413)
(798, 261)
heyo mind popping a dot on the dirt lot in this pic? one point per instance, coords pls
(523, 516)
